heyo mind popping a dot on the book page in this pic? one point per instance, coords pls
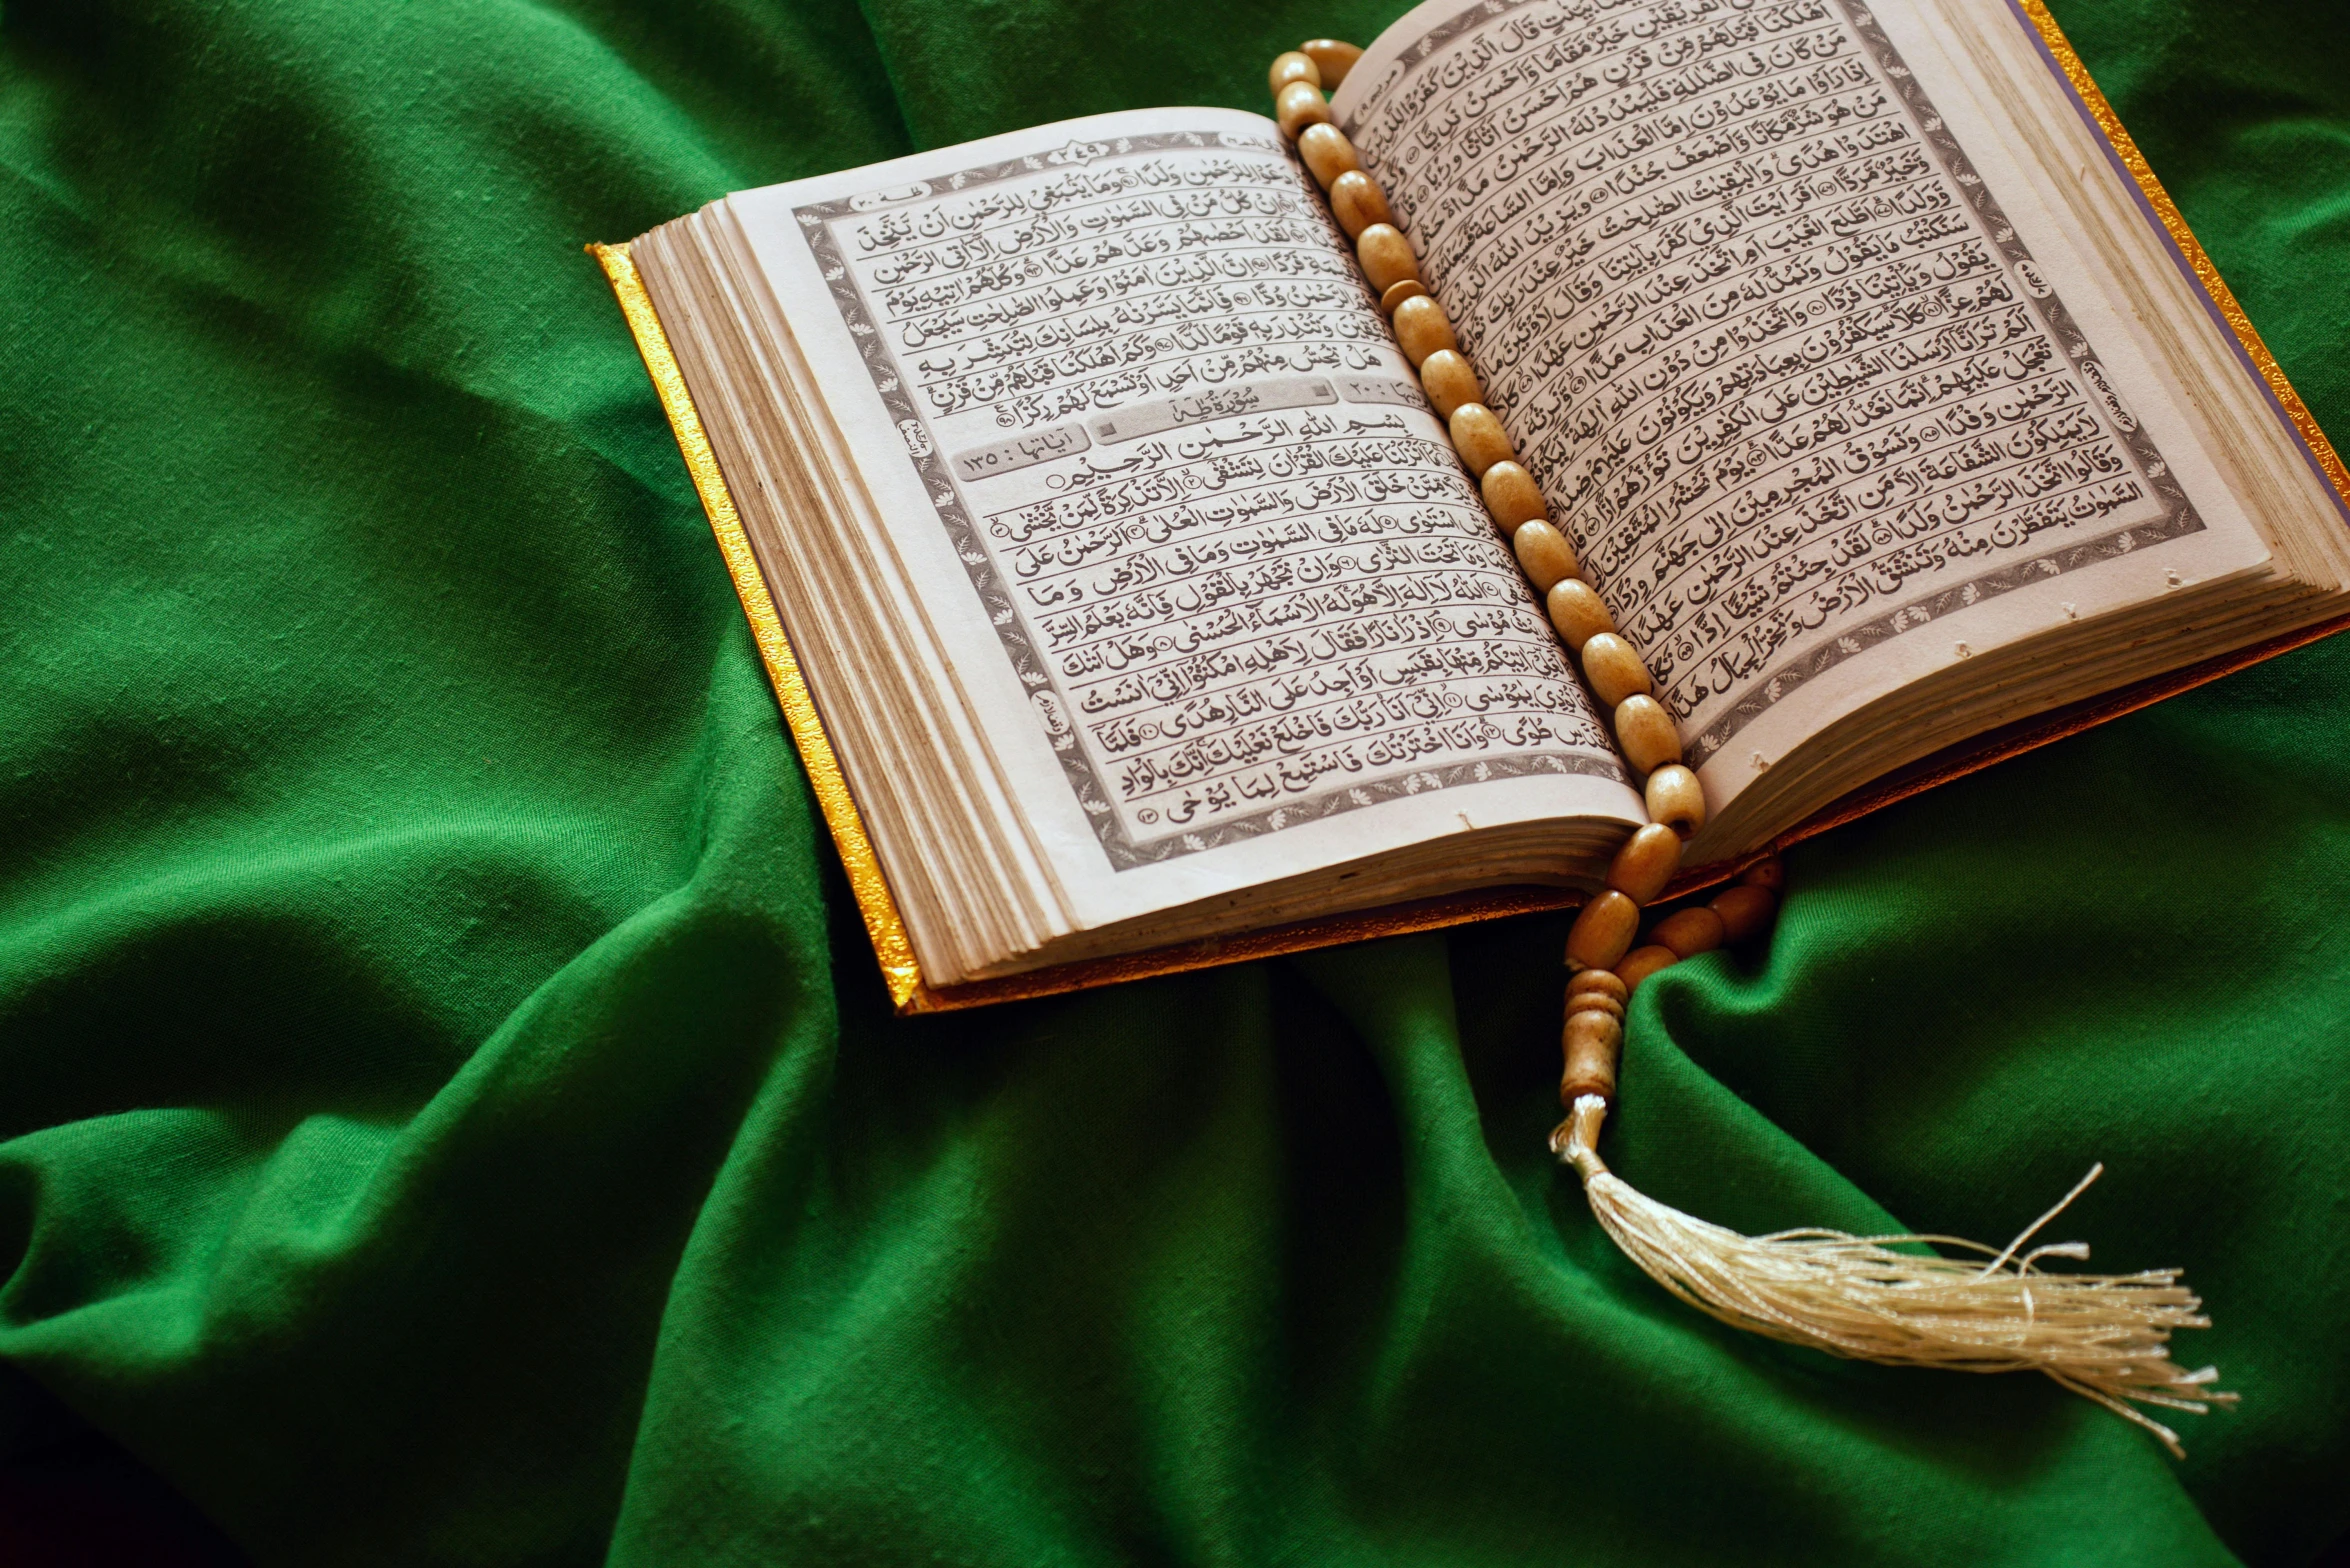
(1818, 418)
(1197, 550)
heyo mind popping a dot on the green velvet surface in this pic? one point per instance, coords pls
(448, 1113)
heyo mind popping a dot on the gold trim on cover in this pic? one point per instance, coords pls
(882, 922)
(2060, 47)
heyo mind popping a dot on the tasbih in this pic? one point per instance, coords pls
(2104, 1336)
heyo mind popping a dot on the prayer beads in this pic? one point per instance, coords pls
(1603, 931)
(1614, 670)
(1646, 732)
(1332, 57)
(1357, 203)
(1421, 328)
(1746, 912)
(1598, 989)
(1578, 615)
(1386, 256)
(1327, 152)
(1689, 932)
(1392, 301)
(1739, 913)
(1675, 798)
(1449, 382)
(1642, 962)
(1512, 496)
(1479, 438)
(1295, 66)
(1605, 965)
(1645, 864)
(1299, 105)
(1544, 553)
(1592, 1042)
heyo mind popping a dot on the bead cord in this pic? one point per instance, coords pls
(2105, 1337)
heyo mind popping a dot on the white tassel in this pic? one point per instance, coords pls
(2104, 1336)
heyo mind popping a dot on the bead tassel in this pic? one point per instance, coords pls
(2102, 1336)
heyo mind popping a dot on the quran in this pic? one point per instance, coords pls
(1132, 608)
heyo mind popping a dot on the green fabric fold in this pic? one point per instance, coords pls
(449, 1114)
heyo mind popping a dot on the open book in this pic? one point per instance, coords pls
(1131, 608)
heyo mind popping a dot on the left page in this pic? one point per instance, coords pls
(1173, 516)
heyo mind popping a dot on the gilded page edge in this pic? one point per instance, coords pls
(2060, 49)
(871, 889)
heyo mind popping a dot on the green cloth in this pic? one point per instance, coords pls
(450, 1114)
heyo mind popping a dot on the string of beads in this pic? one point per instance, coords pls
(2104, 1336)
(1606, 964)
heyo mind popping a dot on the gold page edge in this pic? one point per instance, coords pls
(2206, 272)
(883, 925)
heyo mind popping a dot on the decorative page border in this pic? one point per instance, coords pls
(1416, 53)
(2179, 520)
(1124, 852)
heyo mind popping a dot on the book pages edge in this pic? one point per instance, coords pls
(883, 924)
(2206, 272)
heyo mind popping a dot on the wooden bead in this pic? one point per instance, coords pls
(1511, 495)
(1746, 911)
(1576, 611)
(1592, 1044)
(1645, 732)
(1595, 982)
(1357, 202)
(1768, 873)
(1645, 864)
(1603, 931)
(1594, 1002)
(1409, 288)
(1333, 57)
(1294, 66)
(1449, 382)
(1614, 670)
(1479, 438)
(1689, 932)
(1422, 329)
(1641, 962)
(1386, 256)
(1544, 552)
(1327, 152)
(1676, 799)
(1299, 105)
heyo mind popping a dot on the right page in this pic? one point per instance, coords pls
(1824, 417)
